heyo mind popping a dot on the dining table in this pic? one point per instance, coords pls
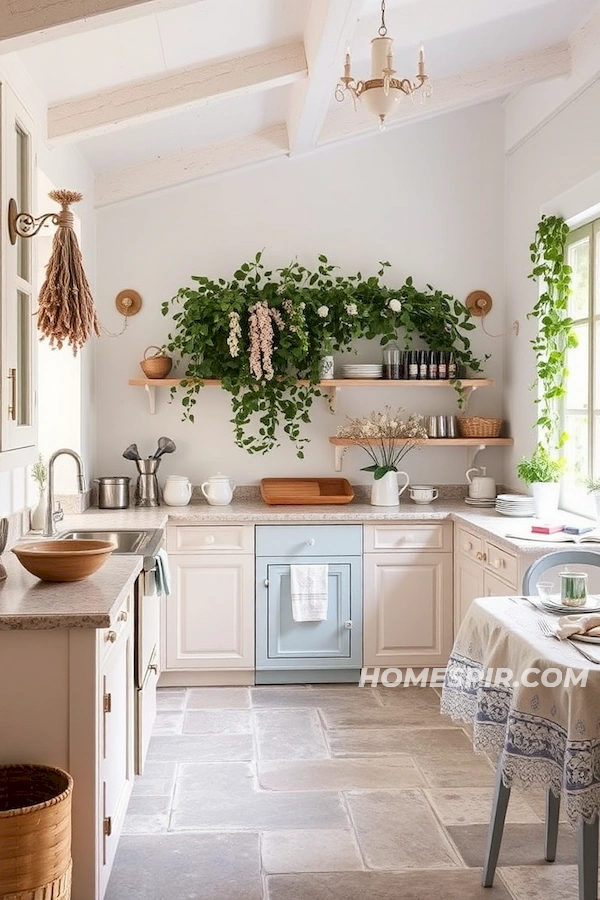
(533, 703)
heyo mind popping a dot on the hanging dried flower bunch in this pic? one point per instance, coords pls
(66, 313)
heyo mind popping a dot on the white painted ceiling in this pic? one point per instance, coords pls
(463, 38)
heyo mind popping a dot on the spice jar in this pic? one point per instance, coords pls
(391, 361)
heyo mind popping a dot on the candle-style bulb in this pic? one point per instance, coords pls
(421, 66)
(421, 54)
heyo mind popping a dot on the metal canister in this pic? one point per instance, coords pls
(113, 492)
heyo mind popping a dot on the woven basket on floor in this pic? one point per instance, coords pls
(35, 833)
(477, 426)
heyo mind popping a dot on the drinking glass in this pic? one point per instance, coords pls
(545, 589)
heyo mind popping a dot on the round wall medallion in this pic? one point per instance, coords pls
(479, 303)
(128, 302)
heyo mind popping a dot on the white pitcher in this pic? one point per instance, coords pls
(218, 490)
(481, 486)
(385, 491)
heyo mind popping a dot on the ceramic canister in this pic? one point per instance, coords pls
(177, 490)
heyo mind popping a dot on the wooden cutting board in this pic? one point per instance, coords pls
(306, 491)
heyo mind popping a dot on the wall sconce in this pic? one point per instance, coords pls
(23, 224)
(479, 303)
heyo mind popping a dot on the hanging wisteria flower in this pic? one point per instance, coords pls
(351, 309)
(323, 312)
(395, 305)
(235, 333)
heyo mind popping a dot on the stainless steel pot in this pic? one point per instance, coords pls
(113, 492)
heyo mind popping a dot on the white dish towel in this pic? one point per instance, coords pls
(309, 588)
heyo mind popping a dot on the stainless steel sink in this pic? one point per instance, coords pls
(131, 542)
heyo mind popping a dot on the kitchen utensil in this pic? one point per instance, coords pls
(177, 490)
(165, 445)
(3, 539)
(218, 490)
(113, 492)
(441, 426)
(158, 365)
(547, 631)
(481, 486)
(423, 493)
(132, 452)
(147, 491)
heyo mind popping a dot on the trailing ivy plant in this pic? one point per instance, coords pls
(263, 330)
(556, 335)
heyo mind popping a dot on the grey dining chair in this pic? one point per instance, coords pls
(588, 833)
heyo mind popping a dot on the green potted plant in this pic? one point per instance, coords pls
(542, 473)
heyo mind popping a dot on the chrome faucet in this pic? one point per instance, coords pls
(52, 515)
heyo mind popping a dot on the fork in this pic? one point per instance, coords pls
(547, 631)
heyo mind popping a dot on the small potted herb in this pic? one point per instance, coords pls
(542, 473)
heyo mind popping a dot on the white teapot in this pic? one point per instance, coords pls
(481, 486)
(218, 490)
(177, 490)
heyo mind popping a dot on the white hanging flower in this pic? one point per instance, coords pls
(395, 305)
(323, 311)
(351, 309)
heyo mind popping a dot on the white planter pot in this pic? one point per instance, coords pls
(38, 513)
(545, 498)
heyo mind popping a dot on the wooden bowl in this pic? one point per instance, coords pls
(63, 560)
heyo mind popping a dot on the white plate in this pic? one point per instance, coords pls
(487, 504)
(514, 498)
(586, 638)
(552, 605)
(359, 375)
(516, 515)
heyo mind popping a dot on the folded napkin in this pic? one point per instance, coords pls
(309, 589)
(570, 625)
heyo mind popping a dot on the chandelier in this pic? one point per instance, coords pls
(382, 90)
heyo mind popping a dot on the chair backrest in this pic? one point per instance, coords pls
(558, 558)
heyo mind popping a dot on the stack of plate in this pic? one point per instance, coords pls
(515, 505)
(554, 604)
(482, 504)
(362, 371)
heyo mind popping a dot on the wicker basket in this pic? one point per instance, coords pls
(478, 427)
(35, 833)
(158, 365)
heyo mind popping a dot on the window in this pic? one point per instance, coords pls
(581, 406)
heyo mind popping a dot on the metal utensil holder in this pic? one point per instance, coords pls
(147, 490)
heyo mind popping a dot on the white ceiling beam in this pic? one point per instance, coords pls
(180, 168)
(157, 97)
(454, 92)
(329, 26)
(25, 23)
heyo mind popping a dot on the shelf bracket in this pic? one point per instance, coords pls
(151, 391)
(339, 455)
(467, 394)
(472, 453)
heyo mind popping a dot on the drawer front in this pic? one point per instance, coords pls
(426, 536)
(210, 538)
(501, 563)
(308, 540)
(469, 544)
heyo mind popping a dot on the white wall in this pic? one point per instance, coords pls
(554, 171)
(427, 198)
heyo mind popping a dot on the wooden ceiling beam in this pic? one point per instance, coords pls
(159, 96)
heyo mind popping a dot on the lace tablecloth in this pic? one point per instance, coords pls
(546, 734)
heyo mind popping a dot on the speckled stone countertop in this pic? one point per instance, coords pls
(26, 603)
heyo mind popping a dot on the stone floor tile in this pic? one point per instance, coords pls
(458, 768)
(446, 884)
(223, 797)
(551, 882)
(317, 850)
(289, 734)
(218, 721)
(340, 774)
(394, 715)
(391, 741)
(536, 798)
(522, 845)
(409, 697)
(398, 830)
(190, 866)
(170, 698)
(349, 696)
(193, 747)
(218, 698)
(472, 806)
(168, 721)
(147, 815)
(158, 780)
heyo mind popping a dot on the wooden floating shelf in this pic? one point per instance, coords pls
(330, 386)
(474, 445)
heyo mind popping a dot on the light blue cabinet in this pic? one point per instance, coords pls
(327, 651)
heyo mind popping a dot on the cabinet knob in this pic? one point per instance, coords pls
(468, 546)
(497, 563)
(111, 636)
(209, 539)
(348, 624)
(123, 615)
(310, 542)
(153, 668)
(266, 582)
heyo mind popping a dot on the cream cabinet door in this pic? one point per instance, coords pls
(495, 587)
(407, 609)
(468, 584)
(210, 613)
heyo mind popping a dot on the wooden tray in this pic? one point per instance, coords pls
(305, 491)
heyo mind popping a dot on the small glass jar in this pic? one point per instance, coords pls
(573, 588)
(391, 361)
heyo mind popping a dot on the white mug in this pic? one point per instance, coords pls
(422, 493)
